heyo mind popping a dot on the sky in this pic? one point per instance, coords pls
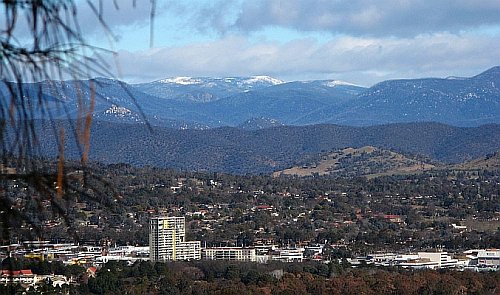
(358, 41)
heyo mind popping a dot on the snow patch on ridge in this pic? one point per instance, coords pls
(118, 111)
(263, 79)
(335, 83)
(181, 81)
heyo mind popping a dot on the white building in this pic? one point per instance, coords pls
(167, 240)
(288, 254)
(485, 257)
(26, 277)
(316, 249)
(132, 251)
(230, 254)
(432, 260)
(382, 259)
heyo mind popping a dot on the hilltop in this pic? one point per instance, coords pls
(364, 161)
(488, 162)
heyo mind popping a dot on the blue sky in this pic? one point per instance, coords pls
(359, 41)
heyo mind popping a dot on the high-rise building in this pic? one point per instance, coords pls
(167, 240)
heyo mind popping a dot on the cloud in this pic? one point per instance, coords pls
(116, 14)
(355, 59)
(356, 17)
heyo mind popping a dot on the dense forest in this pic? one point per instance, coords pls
(236, 151)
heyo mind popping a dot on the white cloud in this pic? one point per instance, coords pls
(355, 59)
(93, 17)
(116, 14)
(367, 17)
(370, 40)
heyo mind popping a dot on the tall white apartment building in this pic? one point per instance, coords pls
(167, 240)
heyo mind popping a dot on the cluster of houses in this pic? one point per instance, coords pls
(93, 256)
(27, 278)
(71, 254)
(89, 257)
(168, 243)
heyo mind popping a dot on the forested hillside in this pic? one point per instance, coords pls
(239, 151)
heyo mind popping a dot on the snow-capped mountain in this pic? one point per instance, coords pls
(261, 80)
(335, 83)
(211, 82)
(200, 103)
(286, 102)
(203, 89)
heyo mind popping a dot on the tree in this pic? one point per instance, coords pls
(41, 41)
(106, 281)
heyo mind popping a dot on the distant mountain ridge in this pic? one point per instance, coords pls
(268, 150)
(463, 102)
(201, 103)
(204, 89)
(372, 162)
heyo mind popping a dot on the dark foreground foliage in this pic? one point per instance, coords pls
(209, 277)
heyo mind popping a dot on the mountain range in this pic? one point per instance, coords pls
(202, 103)
(239, 151)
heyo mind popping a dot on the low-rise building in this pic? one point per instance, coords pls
(288, 254)
(432, 260)
(23, 276)
(485, 258)
(28, 278)
(489, 257)
(229, 253)
(382, 259)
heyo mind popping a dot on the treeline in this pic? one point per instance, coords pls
(222, 277)
(236, 151)
(211, 277)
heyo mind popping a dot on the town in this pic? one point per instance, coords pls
(168, 243)
(165, 216)
(249, 147)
